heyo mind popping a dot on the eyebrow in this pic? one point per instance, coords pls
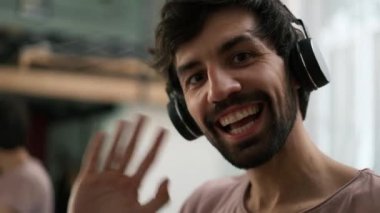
(226, 46)
(188, 66)
(231, 43)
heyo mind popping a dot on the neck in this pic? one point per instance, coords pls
(10, 159)
(297, 177)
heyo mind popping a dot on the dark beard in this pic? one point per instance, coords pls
(258, 150)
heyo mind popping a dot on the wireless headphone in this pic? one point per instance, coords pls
(305, 61)
(180, 116)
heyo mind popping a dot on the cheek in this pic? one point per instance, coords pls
(271, 78)
(268, 79)
(195, 107)
(279, 90)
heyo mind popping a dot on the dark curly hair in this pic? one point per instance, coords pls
(183, 20)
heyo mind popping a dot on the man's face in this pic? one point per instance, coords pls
(236, 89)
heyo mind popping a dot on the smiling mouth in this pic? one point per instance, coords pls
(239, 121)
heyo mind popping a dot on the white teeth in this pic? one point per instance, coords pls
(238, 115)
(243, 128)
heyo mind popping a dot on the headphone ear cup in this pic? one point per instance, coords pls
(181, 118)
(307, 63)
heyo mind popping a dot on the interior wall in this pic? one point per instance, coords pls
(130, 20)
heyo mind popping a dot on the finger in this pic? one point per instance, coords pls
(113, 156)
(150, 157)
(132, 144)
(91, 157)
(161, 198)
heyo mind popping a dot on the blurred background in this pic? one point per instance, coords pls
(82, 65)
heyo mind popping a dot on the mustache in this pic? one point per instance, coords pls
(235, 99)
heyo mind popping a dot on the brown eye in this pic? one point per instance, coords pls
(195, 78)
(241, 58)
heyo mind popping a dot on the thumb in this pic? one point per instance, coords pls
(161, 198)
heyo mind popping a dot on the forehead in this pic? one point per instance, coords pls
(218, 28)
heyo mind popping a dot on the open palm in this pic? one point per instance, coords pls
(109, 189)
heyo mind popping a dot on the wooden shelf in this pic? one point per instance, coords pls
(81, 86)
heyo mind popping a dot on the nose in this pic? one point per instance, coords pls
(221, 85)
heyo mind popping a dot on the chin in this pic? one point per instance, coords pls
(251, 158)
(253, 152)
(250, 162)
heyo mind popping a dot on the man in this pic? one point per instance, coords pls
(239, 72)
(24, 184)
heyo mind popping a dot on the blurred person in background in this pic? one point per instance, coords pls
(25, 186)
(239, 72)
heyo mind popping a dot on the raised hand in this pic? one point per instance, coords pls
(109, 189)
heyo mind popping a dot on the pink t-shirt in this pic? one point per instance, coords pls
(27, 189)
(361, 194)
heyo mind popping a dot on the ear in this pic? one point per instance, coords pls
(298, 90)
(294, 83)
